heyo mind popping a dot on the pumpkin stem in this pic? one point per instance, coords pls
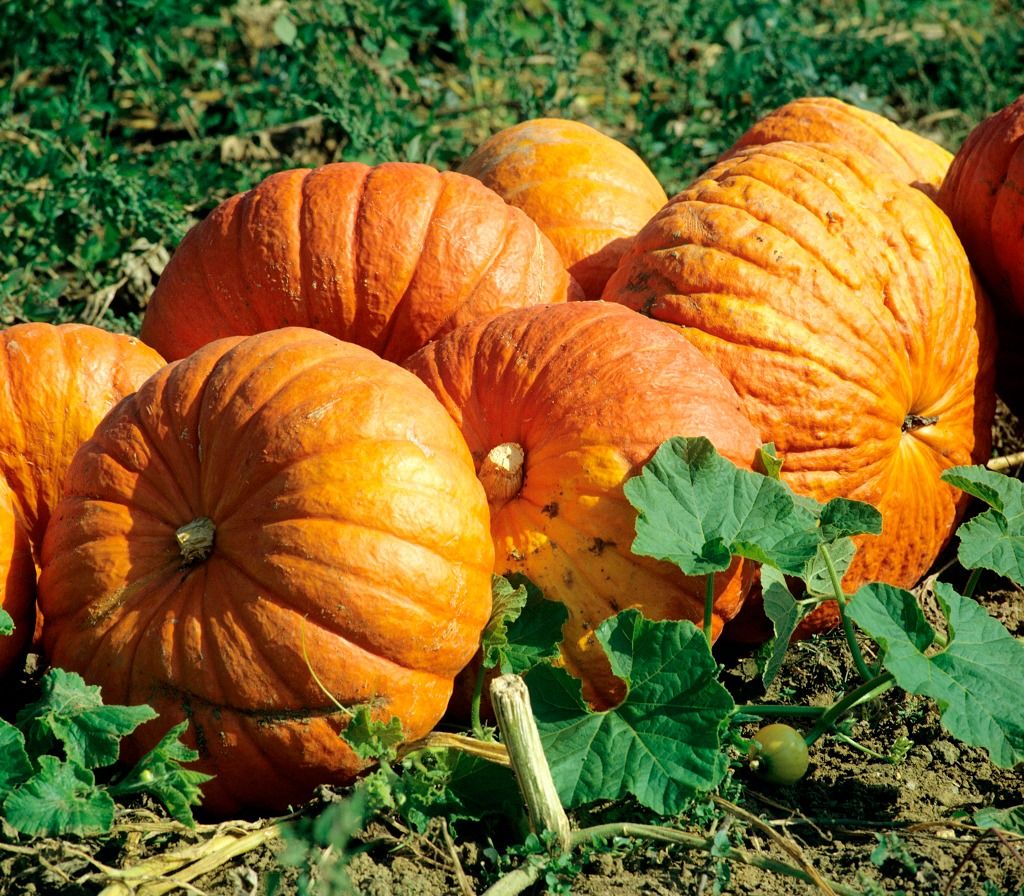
(502, 472)
(916, 421)
(195, 540)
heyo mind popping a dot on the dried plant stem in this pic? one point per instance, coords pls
(157, 876)
(511, 701)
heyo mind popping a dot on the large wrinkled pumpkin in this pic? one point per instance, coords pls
(840, 304)
(387, 257)
(560, 405)
(17, 583)
(983, 194)
(907, 156)
(56, 384)
(270, 518)
(588, 192)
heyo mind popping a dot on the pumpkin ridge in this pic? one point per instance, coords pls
(354, 243)
(218, 512)
(409, 291)
(254, 495)
(757, 341)
(305, 261)
(346, 634)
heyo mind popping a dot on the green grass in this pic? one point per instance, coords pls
(123, 122)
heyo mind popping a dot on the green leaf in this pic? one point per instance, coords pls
(1010, 820)
(15, 765)
(534, 635)
(975, 679)
(698, 510)
(662, 744)
(841, 518)
(60, 799)
(816, 576)
(285, 30)
(6, 623)
(994, 539)
(72, 713)
(451, 784)
(160, 773)
(770, 461)
(507, 602)
(785, 614)
(371, 738)
(321, 845)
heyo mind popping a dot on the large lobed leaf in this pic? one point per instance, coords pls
(662, 744)
(994, 539)
(975, 679)
(72, 713)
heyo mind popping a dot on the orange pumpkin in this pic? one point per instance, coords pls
(907, 156)
(589, 193)
(56, 384)
(982, 194)
(560, 405)
(840, 304)
(387, 257)
(271, 525)
(17, 583)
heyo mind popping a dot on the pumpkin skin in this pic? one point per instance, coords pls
(56, 384)
(590, 194)
(387, 257)
(349, 529)
(982, 196)
(587, 391)
(17, 583)
(902, 154)
(840, 304)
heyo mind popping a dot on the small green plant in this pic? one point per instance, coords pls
(50, 757)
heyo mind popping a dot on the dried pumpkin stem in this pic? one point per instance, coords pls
(195, 540)
(519, 732)
(501, 472)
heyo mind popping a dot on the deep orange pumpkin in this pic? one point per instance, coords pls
(17, 583)
(907, 156)
(387, 257)
(560, 405)
(983, 194)
(589, 193)
(840, 304)
(269, 514)
(56, 384)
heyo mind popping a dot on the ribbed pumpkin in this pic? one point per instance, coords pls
(17, 583)
(560, 405)
(271, 516)
(840, 304)
(907, 156)
(387, 257)
(983, 195)
(589, 193)
(56, 384)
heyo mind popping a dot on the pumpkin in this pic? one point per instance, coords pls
(56, 384)
(17, 583)
(589, 193)
(907, 156)
(560, 405)
(387, 257)
(840, 305)
(274, 524)
(982, 196)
